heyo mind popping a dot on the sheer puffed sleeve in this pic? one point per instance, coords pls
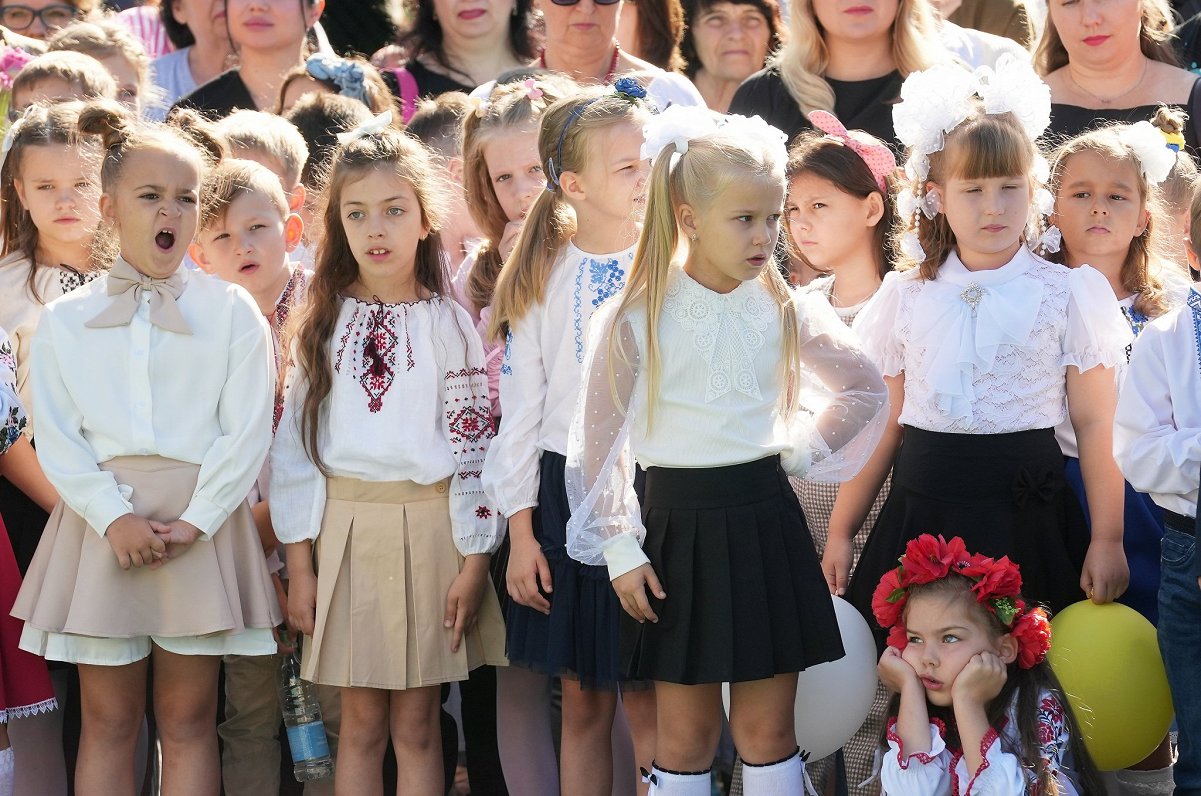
(844, 403)
(606, 523)
(12, 415)
(511, 471)
(919, 773)
(297, 487)
(467, 424)
(1096, 332)
(877, 324)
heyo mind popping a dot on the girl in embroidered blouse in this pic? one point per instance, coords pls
(695, 374)
(1106, 185)
(977, 708)
(986, 348)
(375, 467)
(572, 254)
(154, 388)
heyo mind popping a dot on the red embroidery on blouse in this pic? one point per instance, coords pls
(902, 758)
(379, 357)
(990, 737)
(483, 512)
(345, 338)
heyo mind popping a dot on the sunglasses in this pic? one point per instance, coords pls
(20, 18)
(576, 2)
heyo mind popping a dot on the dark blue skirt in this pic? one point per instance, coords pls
(1143, 531)
(579, 639)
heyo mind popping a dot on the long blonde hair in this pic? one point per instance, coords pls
(709, 167)
(569, 129)
(1156, 29)
(803, 59)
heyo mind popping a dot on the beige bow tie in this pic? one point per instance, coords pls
(126, 285)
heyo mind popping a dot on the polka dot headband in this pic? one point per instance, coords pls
(878, 157)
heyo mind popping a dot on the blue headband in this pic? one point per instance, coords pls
(627, 88)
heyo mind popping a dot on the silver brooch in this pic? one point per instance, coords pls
(972, 295)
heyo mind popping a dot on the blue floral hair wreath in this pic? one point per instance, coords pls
(627, 88)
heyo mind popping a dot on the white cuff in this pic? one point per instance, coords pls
(623, 554)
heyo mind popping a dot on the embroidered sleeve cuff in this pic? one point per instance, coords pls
(897, 746)
(623, 554)
(104, 508)
(205, 515)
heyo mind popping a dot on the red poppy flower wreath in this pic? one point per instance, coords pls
(996, 585)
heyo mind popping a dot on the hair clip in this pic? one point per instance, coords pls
(629, 89)
(532, 92)
(1174, 141)
(373, 127)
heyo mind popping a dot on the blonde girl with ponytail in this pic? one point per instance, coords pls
(697, 375)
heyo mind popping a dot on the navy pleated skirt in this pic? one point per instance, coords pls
(579, 639)
(746, 599)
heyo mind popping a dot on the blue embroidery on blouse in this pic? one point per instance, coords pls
(605, 278)
(504, 367)
(1194, 303)
(1138, 321)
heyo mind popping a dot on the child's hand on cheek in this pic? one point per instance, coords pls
(980, 681)
(895, 672)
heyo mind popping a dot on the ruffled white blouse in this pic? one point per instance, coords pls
(541, 370)
(408, 402)
(718, 403)
(943, 772)
(986, 352)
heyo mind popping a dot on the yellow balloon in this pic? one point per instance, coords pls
(1107, 659)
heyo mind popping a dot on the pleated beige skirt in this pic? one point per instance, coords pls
(385, 560)
(75, 585)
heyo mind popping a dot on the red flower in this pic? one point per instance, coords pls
(898, 637)
(1000, 579)
(1032, 631)
(889, 598)
(928, 559)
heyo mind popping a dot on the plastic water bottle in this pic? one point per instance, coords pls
(302, 718)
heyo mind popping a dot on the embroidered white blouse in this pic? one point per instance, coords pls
(1157, 428)
(541, 370)
(409, 402)
(718, 403)
(943, 772)
(138, 390)
(12, 415)
(20, 310)
(986, 352)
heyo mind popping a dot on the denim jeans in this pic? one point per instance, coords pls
(1180, 642)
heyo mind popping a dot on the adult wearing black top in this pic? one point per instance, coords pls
(1113, 63)
(850, 61)
(269, 40)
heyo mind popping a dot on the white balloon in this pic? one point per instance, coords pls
(834, 698)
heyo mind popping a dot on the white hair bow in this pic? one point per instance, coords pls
(676, 125)
(376, 125)
(10, 136)
(1147, 143)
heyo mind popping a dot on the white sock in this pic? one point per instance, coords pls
(1156, 782)
(8, 772)
(673, 783)
(784, 778)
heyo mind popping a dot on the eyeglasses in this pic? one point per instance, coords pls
(20, 18)
(595, 2)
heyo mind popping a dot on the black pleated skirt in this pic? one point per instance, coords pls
(746, 599)
(579, 639)
(1005, 494)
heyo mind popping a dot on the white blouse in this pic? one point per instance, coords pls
(541, 371)
(12, 415)
(943, 772)
(1157, 428)
(138, 390)
(986, 352)
(718, 404)
(409, 402)
(21, 308)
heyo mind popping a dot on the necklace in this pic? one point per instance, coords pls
(608, 75)
(1113, 99)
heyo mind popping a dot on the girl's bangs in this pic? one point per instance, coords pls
(989, 147)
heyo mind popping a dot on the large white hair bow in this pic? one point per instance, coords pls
(1150, 147)
(676, 125)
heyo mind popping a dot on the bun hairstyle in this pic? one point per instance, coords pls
(1178, 189)
(336, 268)
(121, 132)
(42, 125)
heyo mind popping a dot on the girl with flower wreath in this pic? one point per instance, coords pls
(986, 348)
(977, 708)
(572, 254)
(696, 373)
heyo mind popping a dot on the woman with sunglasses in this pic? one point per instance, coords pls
(581, 42)
(456, 45)
(38, 19)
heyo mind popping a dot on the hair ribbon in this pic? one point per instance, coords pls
(878, 157)
(373, 127)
